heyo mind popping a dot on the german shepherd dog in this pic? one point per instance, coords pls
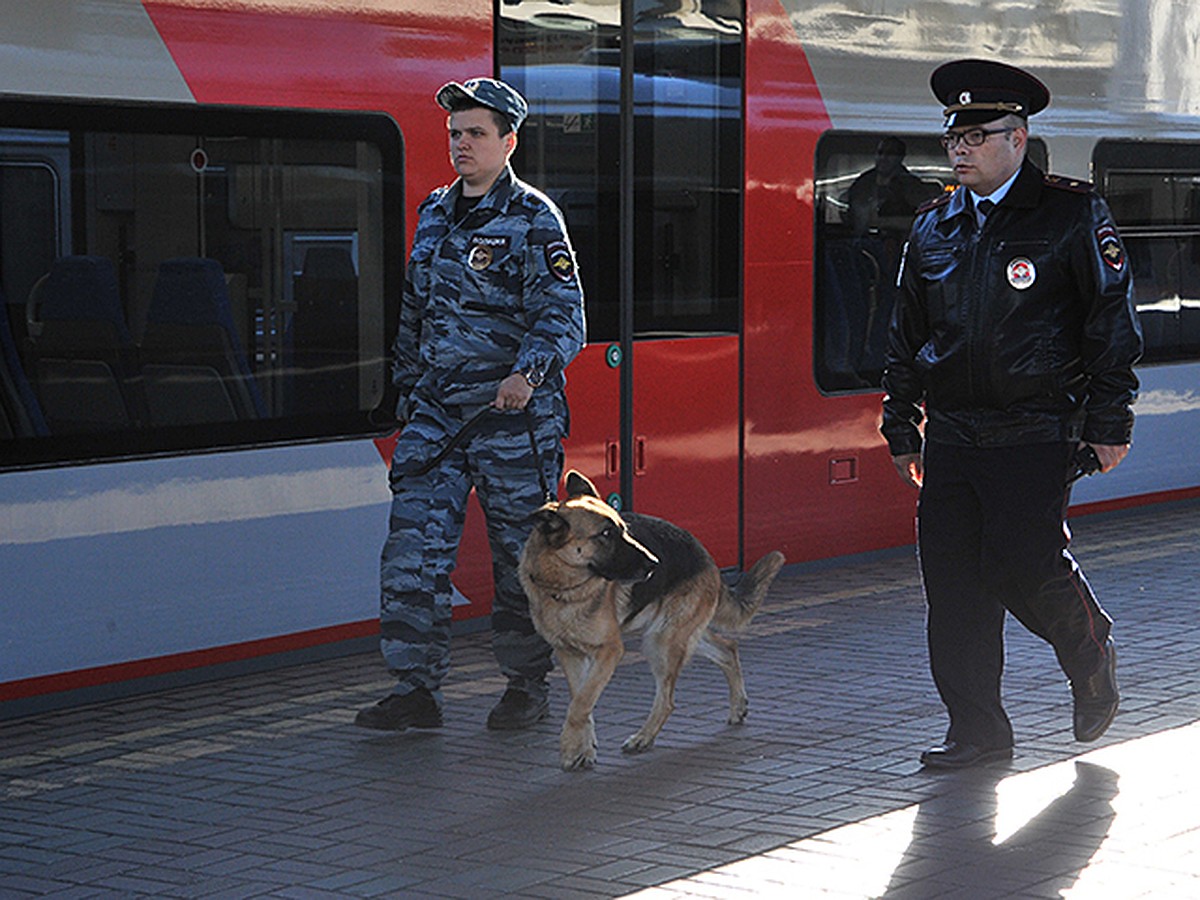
(591, 574)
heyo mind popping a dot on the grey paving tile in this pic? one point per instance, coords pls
(260, 786)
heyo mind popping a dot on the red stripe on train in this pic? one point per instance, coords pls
(1098, 506)
(179, 662)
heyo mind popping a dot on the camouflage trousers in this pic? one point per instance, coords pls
(426, 524)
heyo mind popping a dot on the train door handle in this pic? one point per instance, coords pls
(612, 457)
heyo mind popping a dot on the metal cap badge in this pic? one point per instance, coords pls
(977, 91)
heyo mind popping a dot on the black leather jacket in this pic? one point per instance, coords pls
(1022, 332)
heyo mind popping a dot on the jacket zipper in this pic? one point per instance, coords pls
(975, 313)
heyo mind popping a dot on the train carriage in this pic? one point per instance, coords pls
(204, 214)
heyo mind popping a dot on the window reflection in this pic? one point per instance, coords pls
(171, 282)
(868, 188)
(1153, 190)
(687, 156)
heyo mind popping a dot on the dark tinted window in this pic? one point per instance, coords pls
(188, 278)
(687, 152)
(1153, 190)
(868, 188)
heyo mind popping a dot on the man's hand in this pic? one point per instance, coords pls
(1110, 455)
(514, 392)
(910, 467)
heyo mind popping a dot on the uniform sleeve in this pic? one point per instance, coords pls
(1112, 335)
(553, 298)
(902, 382)
(406, 359)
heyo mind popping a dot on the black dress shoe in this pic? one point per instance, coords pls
(953, 755)
(1096, 698)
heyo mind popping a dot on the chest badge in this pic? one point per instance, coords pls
(483, 250)
(480, 257)
(1021, 273)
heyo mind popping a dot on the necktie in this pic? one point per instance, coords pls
(981, 212)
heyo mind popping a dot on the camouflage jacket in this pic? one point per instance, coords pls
(495, 294)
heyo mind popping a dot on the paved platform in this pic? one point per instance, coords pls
(262, 787)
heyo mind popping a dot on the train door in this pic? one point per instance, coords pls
(642, 151)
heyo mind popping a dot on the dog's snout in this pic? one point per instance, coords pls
(649, 564)
(637, 563)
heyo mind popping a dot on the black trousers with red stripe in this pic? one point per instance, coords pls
(992, 536)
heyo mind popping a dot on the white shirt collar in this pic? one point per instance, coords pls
(998, 194)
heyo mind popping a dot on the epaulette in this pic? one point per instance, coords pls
(1068, 184)
(940, 200)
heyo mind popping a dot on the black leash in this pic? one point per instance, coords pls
(461, 435)
(547, 494)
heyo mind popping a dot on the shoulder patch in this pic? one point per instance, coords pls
(1109, 246)
(560, 261)
(940, 200)
(1068, 184)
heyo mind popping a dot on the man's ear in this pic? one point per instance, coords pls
(1020, 137)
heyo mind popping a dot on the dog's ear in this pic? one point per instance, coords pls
(578, 485)
(553, 527)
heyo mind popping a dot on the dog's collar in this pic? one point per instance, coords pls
(557, 592)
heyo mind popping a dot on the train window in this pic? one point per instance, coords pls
(868, 187)
(190, 278)
(1153, 190)
(687, 206)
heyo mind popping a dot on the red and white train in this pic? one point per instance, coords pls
(204, 212)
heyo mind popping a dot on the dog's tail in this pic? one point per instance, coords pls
(740, 602)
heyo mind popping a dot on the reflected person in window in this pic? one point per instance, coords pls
(882, 202)
(1013, 343)
(491, 316)
(885, 196)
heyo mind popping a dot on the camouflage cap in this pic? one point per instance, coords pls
(488, 92)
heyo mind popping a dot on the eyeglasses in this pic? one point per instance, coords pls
(973, 138)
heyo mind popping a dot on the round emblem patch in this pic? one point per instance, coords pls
(559, 261)
(1021, 273)
(964, 98)
(480, 257)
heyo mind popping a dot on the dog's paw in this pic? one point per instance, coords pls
(637, 743)
(577, 749)
(579, 762)
(738, 711)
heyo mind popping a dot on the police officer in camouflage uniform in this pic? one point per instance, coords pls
(492, 314)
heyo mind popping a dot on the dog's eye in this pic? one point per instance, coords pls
(608, 533)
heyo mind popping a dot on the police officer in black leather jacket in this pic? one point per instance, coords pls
(1015, 336)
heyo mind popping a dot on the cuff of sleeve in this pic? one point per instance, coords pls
(535, 369)
(1110, 429)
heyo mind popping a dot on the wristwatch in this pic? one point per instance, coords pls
(534, 377)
